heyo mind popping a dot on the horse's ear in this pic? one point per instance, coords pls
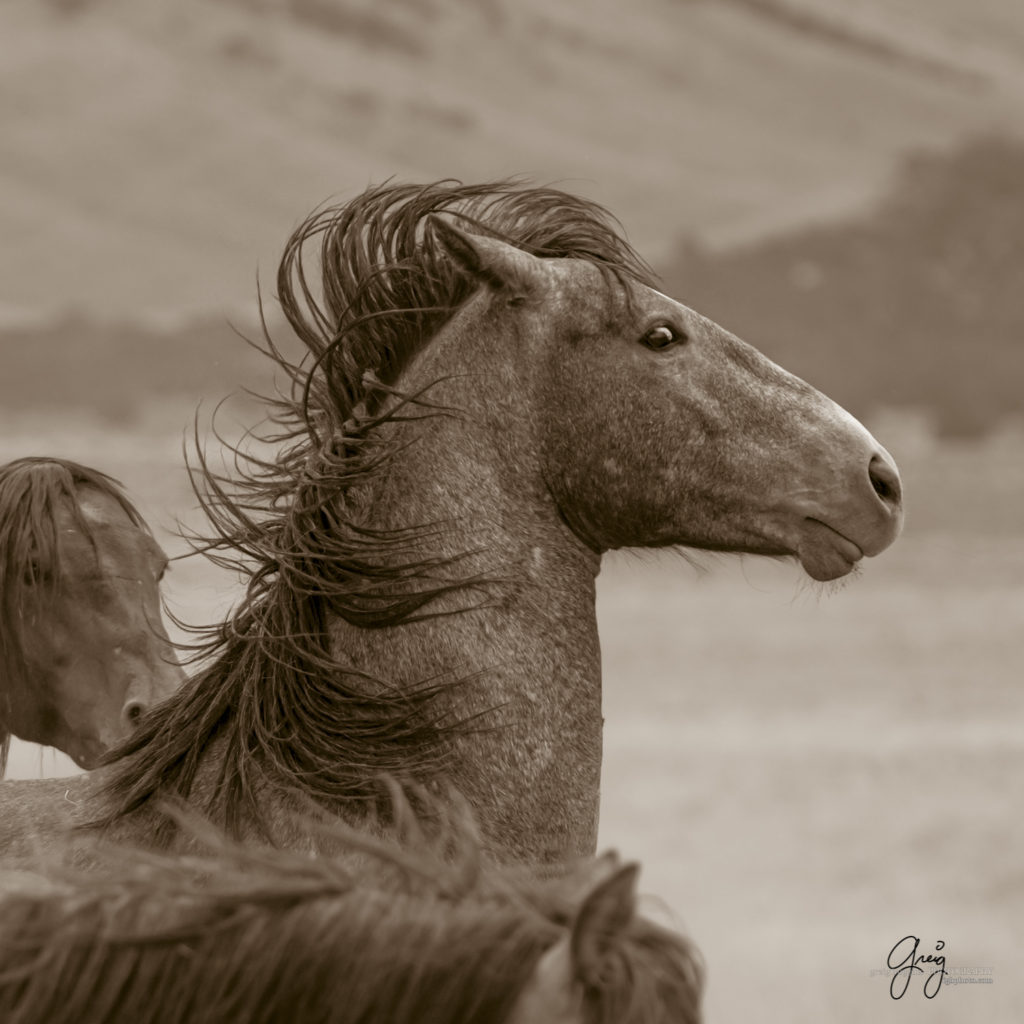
(600, 923)
(584, 877)
(495, 263)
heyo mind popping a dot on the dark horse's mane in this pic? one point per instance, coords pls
(31, 491)
(406, 926)
(287, 708)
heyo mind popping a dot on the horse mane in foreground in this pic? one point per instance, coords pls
(420, 931)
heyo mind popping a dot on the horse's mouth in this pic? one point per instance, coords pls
(825, 553)
(87, 751)
(87, 760)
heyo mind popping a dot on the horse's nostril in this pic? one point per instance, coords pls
(133, 711)
(885, 480)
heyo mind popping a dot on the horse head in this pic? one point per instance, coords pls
(83, 649)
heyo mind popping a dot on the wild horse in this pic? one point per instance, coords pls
(483, 410)
(83, 650)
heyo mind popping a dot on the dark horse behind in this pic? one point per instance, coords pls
(425, 932)
(83, 649)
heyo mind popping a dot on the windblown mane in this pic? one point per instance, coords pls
(31, 492)
(424, 930)
(288, 708)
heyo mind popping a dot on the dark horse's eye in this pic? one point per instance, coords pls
(35, 574)
(661, 337)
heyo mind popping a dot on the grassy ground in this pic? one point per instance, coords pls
(807, 774)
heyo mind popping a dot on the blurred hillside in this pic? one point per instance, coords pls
(153, 153)
(123, 372)
(916, 304)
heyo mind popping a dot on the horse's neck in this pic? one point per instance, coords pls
(525, 648)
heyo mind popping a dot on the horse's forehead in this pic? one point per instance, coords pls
(109, 527)
(100, 508)
(550, 995)
(578, 284)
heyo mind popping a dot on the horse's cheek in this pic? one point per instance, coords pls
(610, 480)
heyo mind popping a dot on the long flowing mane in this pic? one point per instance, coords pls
(286, 707)
(410, 926)
(31, 492)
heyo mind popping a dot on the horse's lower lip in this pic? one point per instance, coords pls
(847, 546)
(825, 553)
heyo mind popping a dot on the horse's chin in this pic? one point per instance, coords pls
(826, 554)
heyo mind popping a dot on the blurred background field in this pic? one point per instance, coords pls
(807, 773)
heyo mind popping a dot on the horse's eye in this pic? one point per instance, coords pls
(661, 337)
(35, 574)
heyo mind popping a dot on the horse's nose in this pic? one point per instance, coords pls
(885, 479)
(132, 712)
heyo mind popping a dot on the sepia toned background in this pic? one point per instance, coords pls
(807, 773)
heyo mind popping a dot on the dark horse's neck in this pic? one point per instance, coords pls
(521, 649)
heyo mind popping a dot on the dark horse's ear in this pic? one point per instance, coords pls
(600, 924)
(494, 263)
